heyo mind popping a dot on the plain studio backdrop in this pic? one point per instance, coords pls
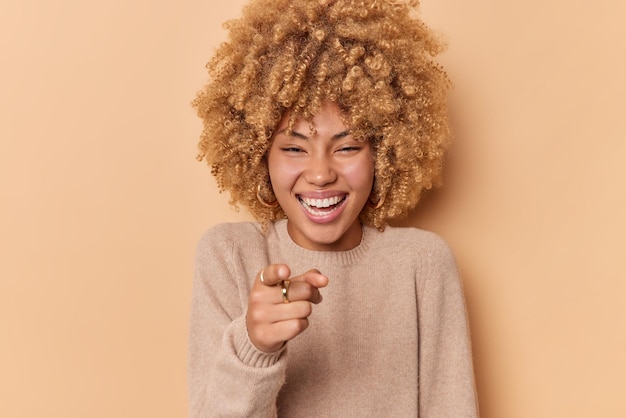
(102, 201)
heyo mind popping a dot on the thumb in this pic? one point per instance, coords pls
(273, 274)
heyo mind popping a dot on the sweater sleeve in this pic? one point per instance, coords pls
(446, 376)
(228, 376)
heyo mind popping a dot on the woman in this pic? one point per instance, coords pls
(327, 119)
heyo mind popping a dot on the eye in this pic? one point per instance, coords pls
(294, 150)
(349, 149)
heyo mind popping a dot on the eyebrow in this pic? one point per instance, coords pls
(299, 135)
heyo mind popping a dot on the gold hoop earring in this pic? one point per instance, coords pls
(376, 205)
(270, 205)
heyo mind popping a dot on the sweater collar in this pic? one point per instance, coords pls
(341, 258)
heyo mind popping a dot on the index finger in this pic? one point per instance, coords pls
(313, 277)
(273, 274)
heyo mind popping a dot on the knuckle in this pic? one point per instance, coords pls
(299, 326)
(255, 297)
(256, 315)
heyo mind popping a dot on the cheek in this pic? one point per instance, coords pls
(283, 175)
(360, 174)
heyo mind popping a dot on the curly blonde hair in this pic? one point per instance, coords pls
(373, 58)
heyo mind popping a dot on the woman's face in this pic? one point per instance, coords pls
(322, 180)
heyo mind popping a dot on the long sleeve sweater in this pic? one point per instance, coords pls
(390, 338)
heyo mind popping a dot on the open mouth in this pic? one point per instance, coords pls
(322, 207)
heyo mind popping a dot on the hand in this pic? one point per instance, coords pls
(270, 321)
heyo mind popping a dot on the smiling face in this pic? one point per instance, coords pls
(322, 180)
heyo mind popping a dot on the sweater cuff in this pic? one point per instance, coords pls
(248, 353)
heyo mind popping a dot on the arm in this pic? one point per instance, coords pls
(228, 376)
(446, 377)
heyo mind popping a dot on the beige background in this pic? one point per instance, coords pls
(102, 201)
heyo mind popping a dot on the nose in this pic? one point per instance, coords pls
(320, 172)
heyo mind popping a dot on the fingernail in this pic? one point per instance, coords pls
(282, 273)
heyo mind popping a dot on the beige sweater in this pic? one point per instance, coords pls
(390, 338)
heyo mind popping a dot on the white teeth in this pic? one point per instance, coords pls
(321, 203)
(315, 206)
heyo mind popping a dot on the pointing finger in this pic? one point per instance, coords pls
(312, 277)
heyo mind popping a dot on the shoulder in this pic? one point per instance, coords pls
(232, 247)
(423, 254)
(231, 235)
(415, 239)
(232, 230)
(431, 249)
